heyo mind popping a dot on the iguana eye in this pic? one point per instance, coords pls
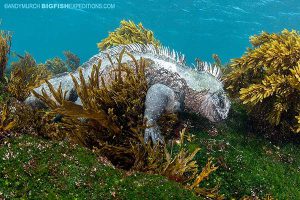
(221, 103)
(221, 100)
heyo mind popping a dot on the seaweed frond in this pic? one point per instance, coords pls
(112, 109)
(176, 164)
(6, 122)
(217, 60)
(267, 79)
(72, 60)
(5, 44)
(27, 120)
(25, 76)
(56, 65)
(128, 33)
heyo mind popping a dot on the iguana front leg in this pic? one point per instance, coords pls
(159, 99)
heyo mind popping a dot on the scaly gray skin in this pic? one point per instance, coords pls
(173, 85)
(160, 98)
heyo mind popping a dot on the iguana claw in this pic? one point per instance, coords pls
(154, 134)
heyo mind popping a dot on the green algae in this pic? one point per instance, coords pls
(34, 168)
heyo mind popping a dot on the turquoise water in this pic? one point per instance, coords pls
(198, 28)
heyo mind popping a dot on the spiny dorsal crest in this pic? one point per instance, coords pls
(164, 53)
(209, 68)
(161, 51)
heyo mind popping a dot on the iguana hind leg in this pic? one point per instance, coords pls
(159, 99)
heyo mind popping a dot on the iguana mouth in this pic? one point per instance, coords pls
(217, 118)
(213, 106)
(222, 107)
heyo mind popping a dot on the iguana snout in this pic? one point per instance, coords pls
(215, 107)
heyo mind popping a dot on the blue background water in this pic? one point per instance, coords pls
(198, 28)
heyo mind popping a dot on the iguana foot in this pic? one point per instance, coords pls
(154, 134)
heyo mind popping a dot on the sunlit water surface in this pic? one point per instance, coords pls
(198, 28)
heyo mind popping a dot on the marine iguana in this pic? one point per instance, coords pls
(173, 85)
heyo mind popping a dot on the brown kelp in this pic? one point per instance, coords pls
(128, 33)
(56, 65)
(5, 44)
(177, 164)
(6, 121)
(267, 79)
(115, 108)
(25, 75)
(111, 122)
(72, 60)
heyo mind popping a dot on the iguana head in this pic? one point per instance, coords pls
(207, 96)
(214, 106)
